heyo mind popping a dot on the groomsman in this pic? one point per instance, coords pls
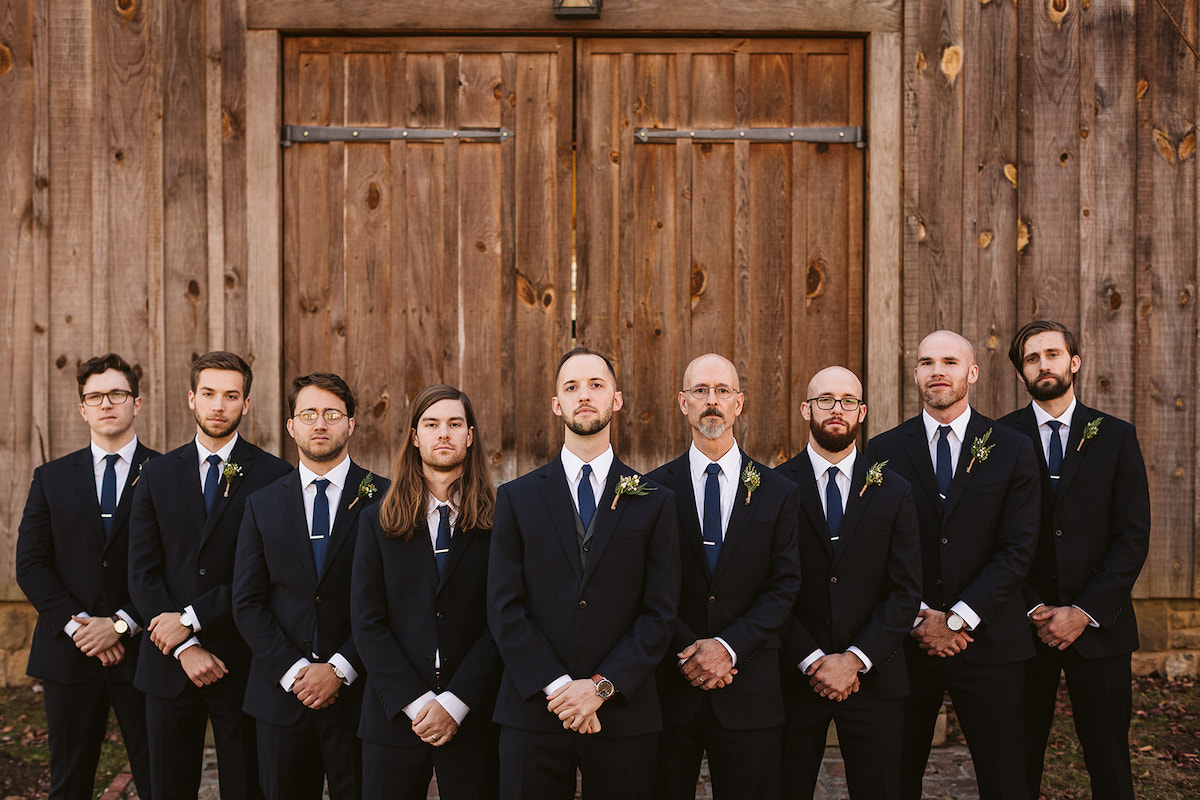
(420, 618)
(740, 573)
(72, 558)
(1095, 533)
(976, 491)
(183, 534)
(860, 590)
(291, 601)
(583, 585)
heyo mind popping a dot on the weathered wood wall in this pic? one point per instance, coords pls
(1047, 150)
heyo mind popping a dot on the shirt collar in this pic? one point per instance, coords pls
(601, 464)
(820, 465)
(1043, 416)
(126, 452)
(958, 425)
(222, 454)
(730, 463)
(336, 476)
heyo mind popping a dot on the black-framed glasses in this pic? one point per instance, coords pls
(116, 397)
(310, 415)
(722, 392)
(826, 403)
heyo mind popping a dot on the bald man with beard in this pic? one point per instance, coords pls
(860, 589)
(976, 486)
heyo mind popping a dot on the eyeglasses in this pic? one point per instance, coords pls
(722, 392)
(116, 397)
(827, 403)
(309, 416)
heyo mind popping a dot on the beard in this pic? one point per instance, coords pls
(219, 430)
(712, 424)
(1051, 391)
(330, 451)
(833, 442)
(944, 398)
(589, 427)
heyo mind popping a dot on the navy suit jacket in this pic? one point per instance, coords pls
(405, 613)
(745, 602)
(865, 592)
(66, 564)
(550, 617)
(178, 556)
(1095, 531)
(280, 597)
(977, 548)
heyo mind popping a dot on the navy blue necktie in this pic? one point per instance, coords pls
(320, 523)
(587, 498)
(108, 492)
(1055, 458)
(211, 481)
(711, 525)
(833, 505)
(944, 471)
(441, 547)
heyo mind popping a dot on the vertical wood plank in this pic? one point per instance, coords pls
(215, 175)
(914, 70)
(235, 244)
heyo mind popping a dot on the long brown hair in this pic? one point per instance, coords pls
(403, 508)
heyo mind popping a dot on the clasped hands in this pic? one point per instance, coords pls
(316, 685)
(706, 664)
(835, 676)
(935, 638)
(1058, 626)
(202, 667)
(576, 704)
(96, 637)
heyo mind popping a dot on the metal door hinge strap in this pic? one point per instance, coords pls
(847, 135)
(328, 133)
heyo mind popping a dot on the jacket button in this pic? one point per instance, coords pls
(438, 614)
(938, 582)
(583, 603)
(712, 598)
(203, 571)
(828, 621)
(317, 599)
(833, 579)
(1058, 533)
(945, 541)
(106, 563)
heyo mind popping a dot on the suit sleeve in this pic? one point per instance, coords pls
(394, 677)
(252, 605)
(1003, 575)
(37, 574)
(531, 660)
(633, 659)
(147, 585)
(773, 604)
(891, 620)
(1110, 587)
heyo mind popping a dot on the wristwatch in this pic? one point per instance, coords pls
(954, 622)
(120, 625)
(604, 687)
(341, 676)
(185, 619)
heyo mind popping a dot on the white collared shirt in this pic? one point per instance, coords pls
(727, 480)
(1043, 417)
(958, 433)
(203, 453)
(433, 518)
(573, 467)
(333, 492)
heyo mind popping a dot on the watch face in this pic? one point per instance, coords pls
(121, 627)
(185, 620)
(604, 688)
(954, 622)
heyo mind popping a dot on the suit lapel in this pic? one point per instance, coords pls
(739, 517)
(606, 517)
(917, 446)
(1073, 457)
(187, 472)
(295, 523)
(679, 480)
(141, 455)
(856, 504)
(801, 473)
(227, 490)
(1027, 423)
(460, 542)
(85, 486)
(556, 493)
(346, 517)
(976, 426)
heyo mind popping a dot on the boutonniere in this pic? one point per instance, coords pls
(142, 466)
(750, 479)
(874, 477)
(980, 449)
(1089, 431)
(232, 470)
(366, 488)
(630, 484)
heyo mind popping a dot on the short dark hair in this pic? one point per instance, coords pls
(98, 365)
(581, 350)
(322, 380)
(223, 359)
(1016, 350)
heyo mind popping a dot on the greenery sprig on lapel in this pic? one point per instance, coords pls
(232, 470)
(1089, 432)
(874, 477)
(980, 449)
(366, 489)
(632, 485)
(751, 480)
(141, 467)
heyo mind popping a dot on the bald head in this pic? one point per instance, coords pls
(711, 366)
(943, 341)
(835, 382)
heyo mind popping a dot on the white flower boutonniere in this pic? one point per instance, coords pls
(231, 471)
(980, 449)
(750, 479)
(874, 477)
(632, 485)
(366, 489)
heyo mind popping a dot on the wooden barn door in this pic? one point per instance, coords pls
(412, 261)
(751, 249)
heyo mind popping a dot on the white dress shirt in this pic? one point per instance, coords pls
(727, 481)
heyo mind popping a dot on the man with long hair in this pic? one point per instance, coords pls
(420, 574)
(291, 601)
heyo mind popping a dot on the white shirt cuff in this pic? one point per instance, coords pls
(195, 620)
(919, 619)
(812, 659)
(412, 709)
(1029, 613)
(732, 654)
(289, 677)
(861, 657)
(454, 707)
(72, 626)
(969, 616)
(556, 684)
(339, 661)
(192, 642)
(1091, 620)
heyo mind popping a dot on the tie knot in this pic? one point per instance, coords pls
(944, 431)
(587, 471)
(713, 469)
(1054, 425)
(444, 512)
(322, 484)
(214, 459)
(112, 459)
(832, 472)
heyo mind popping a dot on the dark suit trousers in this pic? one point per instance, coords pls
(743, 763)
(1101, 700)
(176, 729)
(295, 760)
(541, 766)
(403, 773)
(77, 719)
(988, 700)
(868, 730)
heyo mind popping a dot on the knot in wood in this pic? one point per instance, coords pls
(374, 196)
(126, 8)
(6, 59)
(699, 281)
(1058, 11)
(815, 279)
(952, 59)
